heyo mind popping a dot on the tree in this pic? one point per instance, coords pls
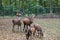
(57, 3)
(51, 7)
(23, 6)
(0, 6)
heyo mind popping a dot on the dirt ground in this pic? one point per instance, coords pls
(50, 33)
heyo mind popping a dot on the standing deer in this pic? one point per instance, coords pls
(17, 21)
(27, 22)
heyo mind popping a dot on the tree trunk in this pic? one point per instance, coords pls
(57, 2)
(0, 7)
(19, 5)
(23, 6)
(41, 2)
(51, 11)
(10, 2)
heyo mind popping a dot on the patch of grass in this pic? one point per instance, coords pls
(50, 27)
(5, 16)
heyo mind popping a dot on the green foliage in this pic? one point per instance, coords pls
(0, 7)
(30, 6)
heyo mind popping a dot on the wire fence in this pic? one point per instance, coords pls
(10, 11)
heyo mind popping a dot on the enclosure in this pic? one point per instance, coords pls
(46, 13)
(37, 7)
(49, 26)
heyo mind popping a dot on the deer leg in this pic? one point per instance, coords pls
(34, 33)
(18, 27)
(41, 35)
(27, 36)
(28, 26)
(13, 27)
(24, 27)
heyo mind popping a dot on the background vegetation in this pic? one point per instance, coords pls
(10, 7)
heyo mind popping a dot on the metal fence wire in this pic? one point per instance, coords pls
(10, 11)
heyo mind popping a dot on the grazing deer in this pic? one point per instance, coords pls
(39, 30)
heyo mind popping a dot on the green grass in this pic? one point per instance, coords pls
(49, 23)
(51, 27)
(5, 16)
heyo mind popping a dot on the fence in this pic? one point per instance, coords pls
(10, 11)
